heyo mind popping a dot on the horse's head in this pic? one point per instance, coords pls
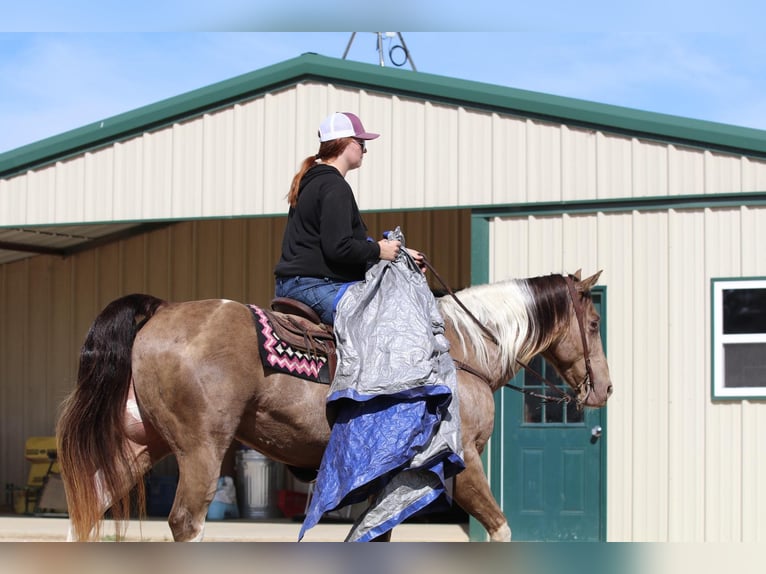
(578, 353)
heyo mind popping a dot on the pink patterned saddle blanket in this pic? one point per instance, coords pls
(294, 345)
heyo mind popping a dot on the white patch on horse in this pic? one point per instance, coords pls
(132, 408)
(504, 308)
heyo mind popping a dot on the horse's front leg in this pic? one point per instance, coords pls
(473, 494)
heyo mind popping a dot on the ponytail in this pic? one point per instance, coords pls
(327, 151)
(292, 196)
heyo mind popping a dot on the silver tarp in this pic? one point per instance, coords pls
(393, 403)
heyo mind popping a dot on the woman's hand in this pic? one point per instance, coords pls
(389, 250)
(419, 259)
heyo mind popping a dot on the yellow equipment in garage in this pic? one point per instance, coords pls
(44, 492)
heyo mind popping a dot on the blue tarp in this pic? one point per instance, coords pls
(393, 403)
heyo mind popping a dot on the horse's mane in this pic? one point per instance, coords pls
(522, 313)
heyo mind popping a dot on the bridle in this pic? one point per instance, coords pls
(563, 396)
(587, 382)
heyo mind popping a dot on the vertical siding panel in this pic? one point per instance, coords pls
(579, 165)
(98, 185)
(614, 166)
(686, 171)
(753, 174)
(110, 274)
(243, 135)
(130, 268)
(376, 177)
(188, 161)
(41, 205)
(546, 246)
(208, 259)
(723, 428)
(543, 162)
(616, 253)
(474, 141)
(218, 166)
(407, 158)
(509, 160)
(753, 471)
(650, 398)
(65, 348)
(84, 293)
(157, 184)
(158, 274)
(649, 172)
(182, 262)
(753, 240)
(257, 196)
(264, 239)
(723, 173)
(15, 323)
(441, 158)
(13, 200)
(579, 249)
(68, 197)
(128, 180)
(509, 251)
(277, 125)
(688, 386)
(233, 260)
(38, 393)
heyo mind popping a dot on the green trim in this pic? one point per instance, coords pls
(479, 250)
(419, 85)
(657, 203)
(601, 291)
(479, 276)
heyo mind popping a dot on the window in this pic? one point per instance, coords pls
(538, 411)
(739, 338)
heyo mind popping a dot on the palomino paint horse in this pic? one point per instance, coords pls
(158, 377)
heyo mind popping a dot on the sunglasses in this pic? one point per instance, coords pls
(362, 144)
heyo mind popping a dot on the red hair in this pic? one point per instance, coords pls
(327, 151)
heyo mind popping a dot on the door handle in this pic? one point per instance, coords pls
(595, 433)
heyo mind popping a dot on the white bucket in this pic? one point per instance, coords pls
(258, 480)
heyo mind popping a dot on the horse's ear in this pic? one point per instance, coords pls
(578, 275)
(588, 283)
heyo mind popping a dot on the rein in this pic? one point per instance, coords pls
(490, 335)
(564, 397)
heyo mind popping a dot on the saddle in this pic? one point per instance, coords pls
(299, 326)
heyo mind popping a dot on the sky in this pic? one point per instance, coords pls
(65, 64)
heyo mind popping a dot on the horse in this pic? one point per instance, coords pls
(157, 378)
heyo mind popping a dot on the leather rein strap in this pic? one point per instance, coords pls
(563, 396)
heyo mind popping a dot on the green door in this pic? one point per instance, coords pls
(547, 467)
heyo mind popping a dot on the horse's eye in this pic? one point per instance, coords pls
(594, 325)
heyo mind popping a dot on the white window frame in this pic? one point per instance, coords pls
(719, 339)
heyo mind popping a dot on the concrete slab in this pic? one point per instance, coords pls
(20, 528)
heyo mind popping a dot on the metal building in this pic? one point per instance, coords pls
(185, 199)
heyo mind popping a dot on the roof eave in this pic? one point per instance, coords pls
(311, 66)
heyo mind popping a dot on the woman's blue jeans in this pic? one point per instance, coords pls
(322, 295)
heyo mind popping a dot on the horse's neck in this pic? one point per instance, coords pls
(494, 372)
(507, 308)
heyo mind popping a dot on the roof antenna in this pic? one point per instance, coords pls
(397, 53)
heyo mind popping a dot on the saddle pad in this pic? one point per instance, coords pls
(281, 356)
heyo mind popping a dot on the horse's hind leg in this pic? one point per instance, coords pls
(197, 480)
(473, 494)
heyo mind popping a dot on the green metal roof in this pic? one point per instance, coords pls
(662, 127)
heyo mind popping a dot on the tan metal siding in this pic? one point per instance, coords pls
(239, 161)
(680, 467)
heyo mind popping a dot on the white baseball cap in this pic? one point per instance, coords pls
(343, 125)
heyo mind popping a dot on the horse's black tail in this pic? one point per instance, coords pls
(96, 467)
